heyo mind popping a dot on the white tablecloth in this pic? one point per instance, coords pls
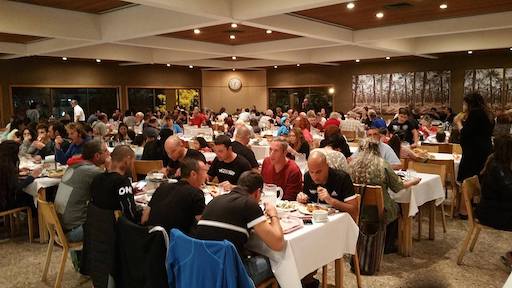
(192, 131)
(260, 151)
(309, 248)
(353, 149)
(43, 182)
(448, 156)
(209, 156)
(508, 284)
(430, 188)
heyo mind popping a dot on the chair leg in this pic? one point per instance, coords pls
(30, 222)
(419, 223)
(48, 258)
(357, 269)
(475, 238)
(58, 281)
(11, 225)
(443, 218)
(464, 246)
(338, 278)
(324, 276)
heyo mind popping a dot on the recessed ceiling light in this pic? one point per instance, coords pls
(510, 49)
(470, 52)
(298, 65)
(443, 6)
(379, 15)
(275, 67)
(233, 57)
(331, 90)
(64, 58)
(234, 25)
(351, 5)
(357, 60)
(190, 66)
(269, 31)
(197, 31)
(387, 58)
(234, 69)
(232, 36)
(98, 60)
(168, 65)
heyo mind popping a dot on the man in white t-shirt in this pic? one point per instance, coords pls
(79, 115)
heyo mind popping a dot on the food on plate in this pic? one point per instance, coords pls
(285, 205)
(312, 207)
(56, 173)
(422, 153)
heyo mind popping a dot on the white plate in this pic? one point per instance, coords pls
(290, 209)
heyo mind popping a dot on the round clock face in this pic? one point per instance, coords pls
(234, 84)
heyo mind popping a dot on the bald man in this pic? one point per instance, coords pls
(242, 137)
(328, 185)
(177, 152)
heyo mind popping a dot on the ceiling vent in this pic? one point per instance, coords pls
(398, 5)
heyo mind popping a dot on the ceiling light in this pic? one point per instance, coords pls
(357, 60)
(234, 69)
(233, 57)
(510, 49)
(331, 90)
(443, 6)
(298, 65)
(197, 31)
(269, 31)
(470, 52)
(98, 60)
(232, 37)
(234, 25)
(190, 66)
(379, 15)
(64, 58)
(387, 58)
(351, 5)
(168, 65)
(275, 67)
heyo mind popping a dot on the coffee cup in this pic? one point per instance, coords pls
(320, 216)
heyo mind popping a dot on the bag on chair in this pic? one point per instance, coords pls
(370, 244)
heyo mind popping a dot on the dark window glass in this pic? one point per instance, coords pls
(292, 98)
(23, 97)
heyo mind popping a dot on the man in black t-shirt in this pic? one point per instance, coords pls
(113, 189)
(179, 205)
(242, 137)
(234, 215)
(177, 152)
(227, 166)
(403, 123)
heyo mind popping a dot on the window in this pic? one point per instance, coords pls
(292, 98)
(55, 101)
(150, 99)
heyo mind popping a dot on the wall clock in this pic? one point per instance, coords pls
(235, 84)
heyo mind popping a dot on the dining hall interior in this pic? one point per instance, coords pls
(236, 143)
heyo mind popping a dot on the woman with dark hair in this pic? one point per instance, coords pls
(26, 148)
(341, 142)
(11, 195)
(298, 145)
(123, 133)
(475, 136)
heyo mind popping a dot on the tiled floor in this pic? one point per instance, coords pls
(433, 263)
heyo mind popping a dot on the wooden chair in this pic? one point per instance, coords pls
(436, 169)
(58, 237)
(430, 148)
(350, 135)
(13, 212)
(452, 178)
(470, 190)
(456, 149)
(143, 167)
(356, 257)
(405, 163)
(271, 282)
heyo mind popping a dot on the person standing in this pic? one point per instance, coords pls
(78, 112)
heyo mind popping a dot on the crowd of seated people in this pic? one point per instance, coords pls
(94, 175)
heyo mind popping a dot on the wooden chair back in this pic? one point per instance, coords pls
(143, 167)
(456, 149)
(430, 169)
(445, 148)
(430, 148)
(350, 135)
(373, 196)
(471, 192)
(52, 222)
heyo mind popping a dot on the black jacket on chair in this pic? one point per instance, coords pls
(98, 254)
(141, 255)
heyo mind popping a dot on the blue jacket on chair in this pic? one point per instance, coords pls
(193, 263)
